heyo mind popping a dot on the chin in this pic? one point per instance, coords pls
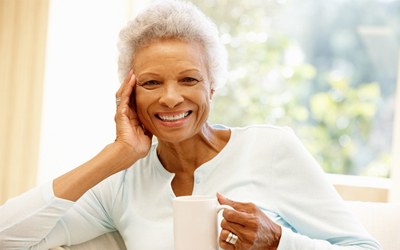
(172, 137)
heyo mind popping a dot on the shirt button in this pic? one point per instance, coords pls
(197, 180)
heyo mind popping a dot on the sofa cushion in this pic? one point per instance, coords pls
(382, 221)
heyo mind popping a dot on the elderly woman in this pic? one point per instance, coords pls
(172, 62)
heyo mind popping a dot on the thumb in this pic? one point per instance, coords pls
(236, 205)
(224, 201)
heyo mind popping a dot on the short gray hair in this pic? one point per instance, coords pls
(173, 19)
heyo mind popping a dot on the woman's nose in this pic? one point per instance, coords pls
(171, 95)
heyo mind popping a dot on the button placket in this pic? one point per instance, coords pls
(197, 182)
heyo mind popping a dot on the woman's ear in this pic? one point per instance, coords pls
(212, 91)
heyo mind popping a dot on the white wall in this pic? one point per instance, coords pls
(80, 82)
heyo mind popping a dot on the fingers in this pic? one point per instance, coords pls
(246, 234)
(128, 77)
(223, 240)
(242, 221)
(126, 89)
(239, 206)
(123, 98)
(253, 227)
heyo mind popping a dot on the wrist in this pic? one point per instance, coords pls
(277, 236)
(122, 155)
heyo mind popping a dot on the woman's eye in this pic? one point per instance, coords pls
(149, 84)
(190, 80)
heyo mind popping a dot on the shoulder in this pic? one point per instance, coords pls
(268, 133)
(281, 143)
(262, 141)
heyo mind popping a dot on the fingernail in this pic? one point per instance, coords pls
(130, 74)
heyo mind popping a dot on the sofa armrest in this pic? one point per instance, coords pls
(111, 240)
(382, 221)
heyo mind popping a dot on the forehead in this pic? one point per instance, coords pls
(171, 53)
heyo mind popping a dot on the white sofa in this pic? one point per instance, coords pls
(109, 241)
(382, 220)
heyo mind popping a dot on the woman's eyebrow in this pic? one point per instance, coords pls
(192, 70)
(147, 74)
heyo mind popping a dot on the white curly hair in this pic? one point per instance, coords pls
(173, 19)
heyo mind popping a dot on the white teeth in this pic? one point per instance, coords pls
(173, 117)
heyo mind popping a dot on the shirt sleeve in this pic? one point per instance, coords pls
(317, 216)
(27, 219)
(39, 220)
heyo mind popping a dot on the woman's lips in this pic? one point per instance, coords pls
(173, 117)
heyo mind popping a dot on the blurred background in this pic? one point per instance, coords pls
(328, 69)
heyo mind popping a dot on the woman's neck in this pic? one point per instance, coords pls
(186, 156)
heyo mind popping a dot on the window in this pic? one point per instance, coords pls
(325, 68)
(81, 81)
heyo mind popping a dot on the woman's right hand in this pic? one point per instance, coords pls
(130, 132)
(132, 143)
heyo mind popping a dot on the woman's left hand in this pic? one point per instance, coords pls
(252, 227)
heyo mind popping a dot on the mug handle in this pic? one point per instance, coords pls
(220, 207)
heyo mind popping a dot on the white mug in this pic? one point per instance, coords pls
(195, 222)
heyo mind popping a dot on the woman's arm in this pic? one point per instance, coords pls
(311, 213)
(38, 218)
(26, 219)
(112, 159)
(132, 143)
(308, 202)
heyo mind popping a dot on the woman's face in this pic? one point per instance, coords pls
(173, 91)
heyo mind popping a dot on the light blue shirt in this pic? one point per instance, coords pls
(265, 165)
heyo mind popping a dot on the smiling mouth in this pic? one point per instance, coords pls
(172, 118)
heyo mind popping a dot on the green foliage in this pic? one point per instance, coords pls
(331, 108)
(342, 123)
